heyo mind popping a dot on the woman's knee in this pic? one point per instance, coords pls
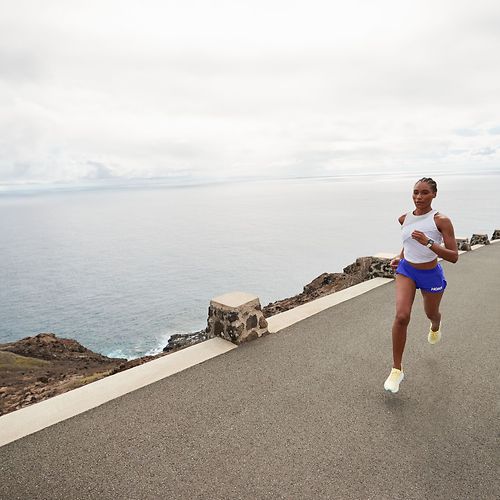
(402, 318)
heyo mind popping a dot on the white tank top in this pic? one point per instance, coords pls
(412, 249)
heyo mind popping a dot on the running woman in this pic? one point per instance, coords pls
(423, 231)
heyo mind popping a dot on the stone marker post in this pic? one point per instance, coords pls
(479, 239)
(237, 317)
(463, 244)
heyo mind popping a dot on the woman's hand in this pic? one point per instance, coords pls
(420, 237)
(395, 262)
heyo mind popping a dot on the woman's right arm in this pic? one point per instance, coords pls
(396, 260)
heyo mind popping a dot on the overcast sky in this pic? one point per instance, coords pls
(187, 89)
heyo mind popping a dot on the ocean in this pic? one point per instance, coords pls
(120, 270)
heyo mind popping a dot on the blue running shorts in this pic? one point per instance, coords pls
(428, 280)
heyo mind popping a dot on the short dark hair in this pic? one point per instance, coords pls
(432, 183)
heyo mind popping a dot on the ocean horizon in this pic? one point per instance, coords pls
(121, 268)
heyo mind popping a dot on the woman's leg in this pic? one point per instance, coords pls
(405, 294)
(431, 307)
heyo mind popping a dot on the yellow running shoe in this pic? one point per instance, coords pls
(393, 380)
(434, 337)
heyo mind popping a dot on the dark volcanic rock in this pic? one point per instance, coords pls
(179, 340)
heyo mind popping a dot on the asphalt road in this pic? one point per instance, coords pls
(300, 414)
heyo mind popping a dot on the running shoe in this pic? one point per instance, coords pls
(434, 337)
(393, 380)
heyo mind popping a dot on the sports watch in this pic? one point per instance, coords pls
(430, 243)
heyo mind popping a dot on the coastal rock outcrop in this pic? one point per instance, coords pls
(49, 347)
(363, 269)
(36, 368)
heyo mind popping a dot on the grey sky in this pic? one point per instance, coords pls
(196, 89)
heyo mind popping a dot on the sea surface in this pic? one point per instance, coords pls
(120, 270)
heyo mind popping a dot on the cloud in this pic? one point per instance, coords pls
(244, 88)
(19, 66)
(484, 151)
(99, 171)
(465, 132)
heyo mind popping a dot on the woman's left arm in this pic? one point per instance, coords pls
(450, 251)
